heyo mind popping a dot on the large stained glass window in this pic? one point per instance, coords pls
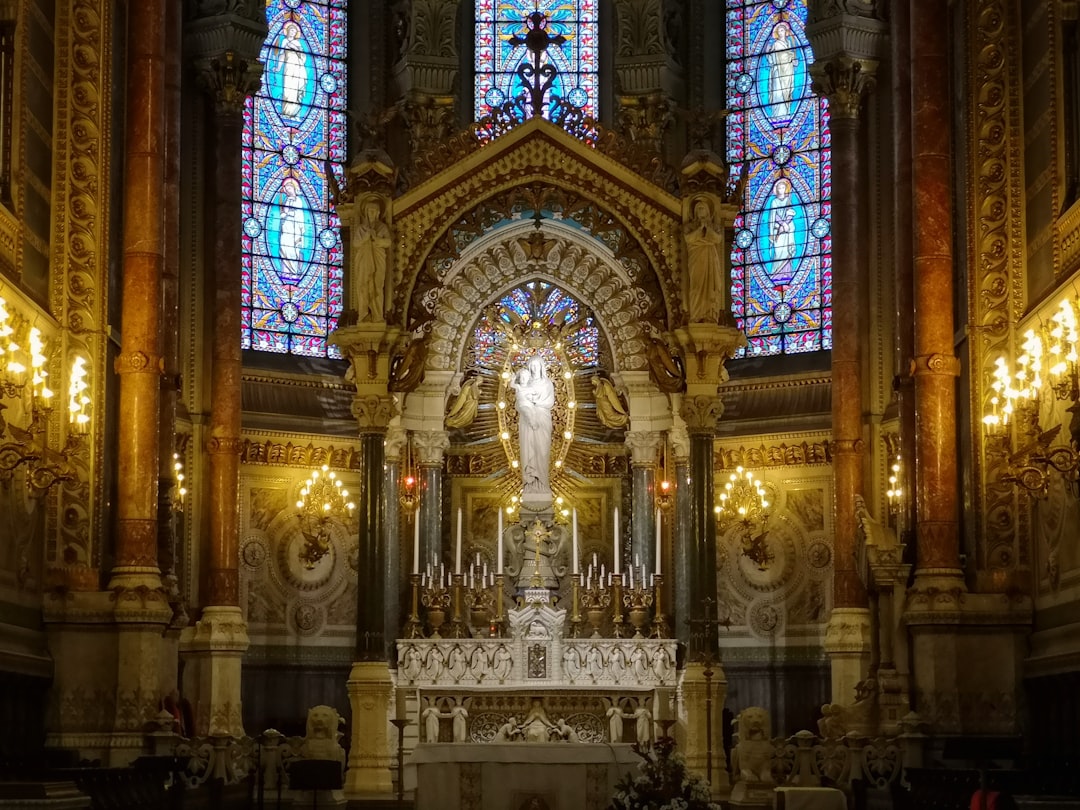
(781, 286)
(500, 23)
(294, 133)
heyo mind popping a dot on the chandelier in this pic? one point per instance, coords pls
(1045, 372)
(323, 500)
(745, 508)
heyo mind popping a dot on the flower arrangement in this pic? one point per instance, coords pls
(663, 783)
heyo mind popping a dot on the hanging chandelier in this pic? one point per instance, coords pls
(744, 507)
(323, 500)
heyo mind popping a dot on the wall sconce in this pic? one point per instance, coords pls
(744, 503)
(179, 490)
(894, 493)
(663, 486)
(1050, 350)
(322, 500)
(409, 496)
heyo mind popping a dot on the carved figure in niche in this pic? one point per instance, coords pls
(639, 662)
(370, 245)
(661, 664)
(705, 264)
(463, 409)
(456, 663)
(615, 723)
(609, 407)
(643, 719)
(433, 666)
(617, 662)
(665, 370)
(751, 758)
(572, 663)
(502, 663)
(460, 718)
(321, 739)
(432, 721)
(535, 397)
(508, 731)
(411, 664)
(407, 367)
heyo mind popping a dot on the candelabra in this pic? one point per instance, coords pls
(637, 601)
(413, 628)
(435, 597)
(744, 504)
(1045, 373)
(323, 499)
(659, 626)
(479, 596)
(595, 599)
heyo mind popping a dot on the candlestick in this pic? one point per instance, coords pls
(499, 543)
(575, 569)
(416, 542)
(457, 556)
(657, 567)
(616, 571)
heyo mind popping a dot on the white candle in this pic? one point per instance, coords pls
(656, 566)
(416, 543)
(575, 570)
(499, 543)
(457, 556)
(616, 567)
(631, 577)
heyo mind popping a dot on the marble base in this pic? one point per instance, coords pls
(371, 698)
(847, 643)
(692, 730)
(565, 776)
(212, 650)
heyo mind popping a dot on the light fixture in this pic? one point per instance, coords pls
(323, 500)
(1045, 372)
(663, 487)
(409, 496)
(744, 506)
(895, 493)
(179, 490)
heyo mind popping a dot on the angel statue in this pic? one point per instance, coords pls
(609, 406)
(463, 409)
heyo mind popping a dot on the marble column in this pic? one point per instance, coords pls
(225, 49)
(139, 363)
(398, 555)
(430, 445)
(701, 414)
(644, 447)
(682, 540)
(935, 364)
(371, 640)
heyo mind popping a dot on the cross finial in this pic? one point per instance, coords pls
(537, 78)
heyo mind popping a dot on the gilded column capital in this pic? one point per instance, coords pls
(430, 446)
(701, 413)
(644, 446)
(645, 118)
(225, 38)
(845, 82)
(373, 413)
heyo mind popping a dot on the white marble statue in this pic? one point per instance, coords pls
(508, 731)
(456, 663)
(705, 264)
(537, 726)
(643, 726)
(615, 723)
(535, 397)
(565, 731)
(460, 718)
(411, 664)
(432, 718)
(594, 663)
(503, 663)
(572, 663)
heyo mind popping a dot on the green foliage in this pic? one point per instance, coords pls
(663, 783)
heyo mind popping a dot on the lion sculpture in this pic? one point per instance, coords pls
(321, 739)
(751, 758)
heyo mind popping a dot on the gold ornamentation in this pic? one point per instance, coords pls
(287, 454)
(373, 412)
(781, 455)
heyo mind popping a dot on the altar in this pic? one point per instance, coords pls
(447, 776)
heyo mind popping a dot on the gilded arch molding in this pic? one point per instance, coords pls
(535, 161)
(489, 270)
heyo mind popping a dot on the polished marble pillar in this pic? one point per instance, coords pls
(398, 554)
(935, 364)
(644, 448)
(701, 414)
(139, 361)
(430, 446)
(681, 538)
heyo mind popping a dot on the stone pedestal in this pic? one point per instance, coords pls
(848, 645)
(212, 650)
(370, 696)
(695, 727)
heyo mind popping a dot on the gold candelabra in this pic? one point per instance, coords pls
(744, 505)
(1045, 372)
(323, 499)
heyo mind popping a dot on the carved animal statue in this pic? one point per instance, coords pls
(751, 759)
(321, 739)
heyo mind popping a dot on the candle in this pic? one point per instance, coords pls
(400, 704)
(631, 577)
(616, 540)
(658, 550)
(575, 543)
(457, 556)
(499, 543)
(416, 543)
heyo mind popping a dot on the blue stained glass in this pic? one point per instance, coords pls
(294, 133)
(497, 58)
(781, 264)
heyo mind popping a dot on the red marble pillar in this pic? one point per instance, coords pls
(847, 406)
(935, 364)
(223, 446)
(139, 362)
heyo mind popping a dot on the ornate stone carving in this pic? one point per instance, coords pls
(373, 413)
(225, 38)
(701, 413)
(287, 454)
(646, 118)
(781, 455)
(644, 446)
(846, 82)
(639, 28)
(428, 28)
(430, 445)
(430, 119)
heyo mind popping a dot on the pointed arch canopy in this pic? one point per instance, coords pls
(615, 234)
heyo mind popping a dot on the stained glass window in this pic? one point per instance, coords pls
(294, 133)
(499, 22)
(544, 309)
(781, 286)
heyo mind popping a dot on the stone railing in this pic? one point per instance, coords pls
(233, 760)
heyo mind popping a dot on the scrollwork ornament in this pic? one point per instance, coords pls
(701, 413)
(225, 445)
(373, 413)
